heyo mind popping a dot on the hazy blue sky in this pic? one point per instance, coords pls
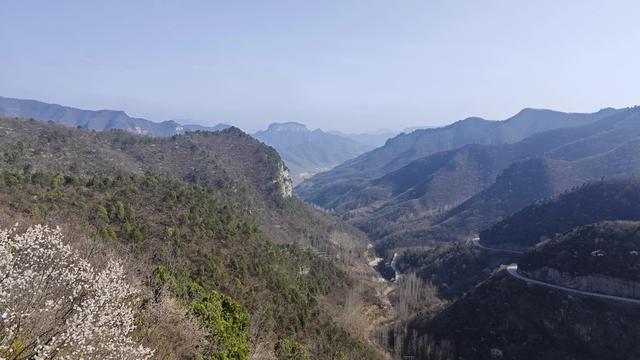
(346, 65)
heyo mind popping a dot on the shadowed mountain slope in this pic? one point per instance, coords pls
(505, 317)
(613, 199)
(456, 268)
(405, 148)
(453, 194)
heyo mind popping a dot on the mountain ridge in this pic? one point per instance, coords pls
(427, 198)
(404, 148)
(99, 120)
(305, 151)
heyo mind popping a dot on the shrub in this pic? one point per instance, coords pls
(227, 323)
(101, 213)
(290, 350)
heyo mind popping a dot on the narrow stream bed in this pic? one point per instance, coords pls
(387, 270)
(396, 273)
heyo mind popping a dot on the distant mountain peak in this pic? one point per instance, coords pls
(170, 123)
(232, 130)
(529, 111)
(287, 126)
(606, 110)
(472, 119)
(114, 112)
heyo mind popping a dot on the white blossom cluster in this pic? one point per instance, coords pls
(55, 305)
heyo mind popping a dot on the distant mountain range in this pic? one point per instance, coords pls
(493, 170)
(606, 148)
(307, 152)
(374, 139)
(99, 120)
(406, 147)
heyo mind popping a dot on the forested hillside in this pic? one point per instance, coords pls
(207, 228)
(231, 162)
(457, 268)
(196, 219)
(611, 199)
(504, 317)
(603, 253)
(453, 269)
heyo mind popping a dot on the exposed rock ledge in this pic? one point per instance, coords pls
(283, 181)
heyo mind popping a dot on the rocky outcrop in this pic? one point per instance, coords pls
(283, 181)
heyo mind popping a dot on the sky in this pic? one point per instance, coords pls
(354, 66)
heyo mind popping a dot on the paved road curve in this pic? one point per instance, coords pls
(513, 271)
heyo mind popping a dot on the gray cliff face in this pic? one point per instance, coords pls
(285, 186)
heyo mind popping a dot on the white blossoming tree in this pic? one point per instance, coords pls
(55, 305)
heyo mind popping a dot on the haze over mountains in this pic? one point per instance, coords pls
(450, 194)
(263, 180)
(373, 139)
(100, 120)
(304, 151)
(423, 142)
(309, 152)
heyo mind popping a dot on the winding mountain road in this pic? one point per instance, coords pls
(513, 271)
